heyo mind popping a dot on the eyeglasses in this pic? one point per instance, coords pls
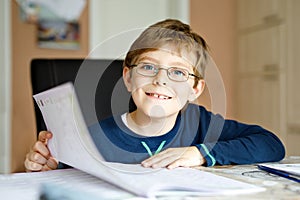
(174, 73)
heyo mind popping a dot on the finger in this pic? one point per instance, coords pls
(152, 160)
(156, 157)
(178, 163)
(44, 136)
(159, 161)
(52, 163)
(185, 162)
(32, 166)
(46, 168)
(37, 158)
(164, 162)
(42, 149)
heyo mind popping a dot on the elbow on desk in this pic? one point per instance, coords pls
(280, 152)
(276, 152)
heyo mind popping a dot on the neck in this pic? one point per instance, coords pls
(150, 126)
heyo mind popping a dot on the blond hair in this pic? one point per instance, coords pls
(172, 33)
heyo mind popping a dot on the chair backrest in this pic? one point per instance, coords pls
(98, 84)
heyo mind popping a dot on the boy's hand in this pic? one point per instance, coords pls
(39, 157)
(176, 157)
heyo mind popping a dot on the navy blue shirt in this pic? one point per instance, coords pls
(220, 141)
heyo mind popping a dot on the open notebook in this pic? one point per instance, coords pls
(72, 144)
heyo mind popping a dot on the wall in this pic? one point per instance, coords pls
(215, 20)
(24, 49)
(5, 80)
(117, 23)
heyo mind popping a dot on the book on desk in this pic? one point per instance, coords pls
(64, 119)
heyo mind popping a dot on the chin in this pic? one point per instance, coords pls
(159, 111)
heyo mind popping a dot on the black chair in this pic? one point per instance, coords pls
(98, 84)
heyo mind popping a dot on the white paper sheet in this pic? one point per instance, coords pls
(26, 186)
(289, 168)
(73, 145)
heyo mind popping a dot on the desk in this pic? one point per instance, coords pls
(21, 186)
(276, 187)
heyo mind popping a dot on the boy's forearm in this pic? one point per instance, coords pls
(254, 148)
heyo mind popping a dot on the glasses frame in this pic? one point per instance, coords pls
(168, 73)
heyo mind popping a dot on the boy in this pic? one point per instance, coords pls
(164, 71)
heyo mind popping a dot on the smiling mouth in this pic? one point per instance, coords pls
(158, 96)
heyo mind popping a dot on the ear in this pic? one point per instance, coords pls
(197, 91)
(127, 78)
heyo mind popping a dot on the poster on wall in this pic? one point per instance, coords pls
(56, 21)
(33, 11)
(58, 35)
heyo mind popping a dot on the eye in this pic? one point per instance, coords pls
(178, 72)
(148, 67)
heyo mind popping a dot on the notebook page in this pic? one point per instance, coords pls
(71, 142)
(181, 181)
(27, 185)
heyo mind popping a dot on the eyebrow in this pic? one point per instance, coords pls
(147, 58)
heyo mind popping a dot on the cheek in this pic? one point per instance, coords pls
(183, 90)
(139, 82)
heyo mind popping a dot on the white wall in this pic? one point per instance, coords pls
(5, 91)
(114, 24)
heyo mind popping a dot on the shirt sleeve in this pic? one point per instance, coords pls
(231, 142)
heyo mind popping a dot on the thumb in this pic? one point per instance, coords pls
(44, 136)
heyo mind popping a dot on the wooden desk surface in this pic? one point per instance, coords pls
(276, 187)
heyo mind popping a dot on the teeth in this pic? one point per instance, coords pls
(158, 96)
(162, 97)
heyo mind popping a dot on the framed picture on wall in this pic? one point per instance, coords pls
(33, 11)
(58, 35)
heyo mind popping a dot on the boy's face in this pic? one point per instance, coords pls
(158, 96)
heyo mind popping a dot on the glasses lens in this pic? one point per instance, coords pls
(174, 73)
(146, 69)
(178, 74)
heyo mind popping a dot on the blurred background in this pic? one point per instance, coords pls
(254, 44)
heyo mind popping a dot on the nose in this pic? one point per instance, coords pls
(161, 77)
